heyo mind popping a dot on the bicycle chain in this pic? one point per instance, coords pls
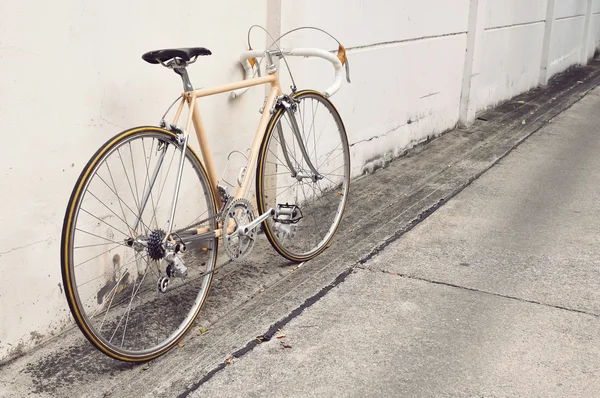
(225, 198)
(216, 216)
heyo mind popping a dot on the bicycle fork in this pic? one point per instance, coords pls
(291, 108)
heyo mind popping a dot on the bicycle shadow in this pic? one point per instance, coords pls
(79, 363)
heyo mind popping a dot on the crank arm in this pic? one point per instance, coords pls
(245, 229)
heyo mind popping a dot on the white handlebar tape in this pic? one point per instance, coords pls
(294, 52)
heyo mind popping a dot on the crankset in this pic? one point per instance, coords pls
(239, 228)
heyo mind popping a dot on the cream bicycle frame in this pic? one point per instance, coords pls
(272, 78)
(194, 118)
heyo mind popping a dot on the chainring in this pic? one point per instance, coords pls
(240, 212)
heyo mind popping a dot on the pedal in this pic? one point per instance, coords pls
(287, 214)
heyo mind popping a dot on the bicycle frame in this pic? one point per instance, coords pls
(190, 96)
(194, 118)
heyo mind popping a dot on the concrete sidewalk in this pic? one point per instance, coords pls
(266, 293)
(496, 294)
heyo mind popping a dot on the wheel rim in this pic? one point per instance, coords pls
(322, 201)
(114, 287)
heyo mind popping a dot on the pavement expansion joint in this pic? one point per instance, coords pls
(268, 335)
(471, 289)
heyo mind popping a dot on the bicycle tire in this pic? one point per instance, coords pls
(158, 310)
(273, 169)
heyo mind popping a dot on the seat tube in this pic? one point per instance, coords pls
(207, 157)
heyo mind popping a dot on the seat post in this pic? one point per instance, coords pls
(187, 85)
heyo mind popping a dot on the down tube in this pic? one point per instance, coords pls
(260, 132)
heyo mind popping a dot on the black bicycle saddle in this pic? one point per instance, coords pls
(184, 54)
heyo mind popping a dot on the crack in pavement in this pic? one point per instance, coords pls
(424, 200)
(268, 335)
(425, 213)
(472, 289)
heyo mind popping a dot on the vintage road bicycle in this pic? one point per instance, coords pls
(145, 218)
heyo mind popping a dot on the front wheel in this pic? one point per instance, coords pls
(118, 284)
(303, 173)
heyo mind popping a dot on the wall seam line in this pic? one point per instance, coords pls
(515, 25)
(571, 17)
(391, 42)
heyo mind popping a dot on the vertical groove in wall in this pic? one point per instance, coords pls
(273, 25)
(273, 19)
(472, 66)
(546, 43)
(583, 55)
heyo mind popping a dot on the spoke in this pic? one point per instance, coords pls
(103, 204)
(329, 179)
(331, 153)
(148, 267)
(129, 308)
(195, 219)
(107, 251)
(301, 113)
(326, 205)
(133, 293)
(312, 126)
(277, 164)
(315, 137)
(97, 244)
(137, 205)
(293, 141)
(323, 195)
(114, 293)
(118, 197)
(288, 188)
(134, 177)
(336, 169)
(99, 219)
(101, 237)
(120, 200)
(149, 183)
(168, 170)
(323, 129)
(276, 174)
(311, 215)
(283, 164)
(101, 276)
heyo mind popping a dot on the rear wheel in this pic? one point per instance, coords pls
(309, 205)
(121, 293)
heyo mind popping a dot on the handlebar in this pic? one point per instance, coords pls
(294, 52)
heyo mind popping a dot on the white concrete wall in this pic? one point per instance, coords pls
(594, 34)
(511, 49)
(567, 36)
(400, 93)
(71, 77)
